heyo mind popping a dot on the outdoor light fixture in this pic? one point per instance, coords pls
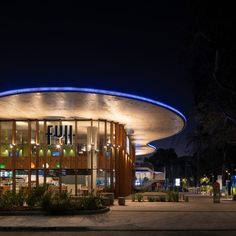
(46, 165)
(32, 141)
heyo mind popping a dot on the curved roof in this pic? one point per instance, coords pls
(145, 119)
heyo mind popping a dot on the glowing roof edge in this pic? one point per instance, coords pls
(91, 90)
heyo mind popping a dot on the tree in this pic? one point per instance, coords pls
(165, 158)
(213, 71)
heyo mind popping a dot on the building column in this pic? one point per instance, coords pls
(37, 153)
(14, 156)
(92, 155)
(29, 153)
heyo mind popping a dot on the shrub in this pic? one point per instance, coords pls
(10, 199)
(151, 199)
(58, 202)
(46, 199)
(139, 197)
(78, 204)
(36, 195)
(91, 203)
(7, 200)
(172, 196)
(21, 197)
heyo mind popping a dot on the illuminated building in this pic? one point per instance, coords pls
(78, 139)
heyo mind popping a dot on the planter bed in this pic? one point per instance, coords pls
(39, 211)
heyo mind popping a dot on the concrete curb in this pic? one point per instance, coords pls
(107, 229)
(42, 213)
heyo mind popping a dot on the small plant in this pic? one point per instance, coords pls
(91, 203)
(7, 200)
(172, 196)
(36, 195)
(139, 197)
(151, 199)
(46, 199)
(21, 197)
(56, 203)
(11, 200)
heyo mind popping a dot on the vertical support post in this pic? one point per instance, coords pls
(92, 149)
(121, 162)
(117, 164)
(105, 172)
(37, 153)
(112, 156)
(61, 148)
(76, 158)
(45, 153)
(29, 153)
(14, 156)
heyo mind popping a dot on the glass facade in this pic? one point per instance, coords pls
(73, 155)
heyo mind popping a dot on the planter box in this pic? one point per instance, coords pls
(121, 201)
(110, 196)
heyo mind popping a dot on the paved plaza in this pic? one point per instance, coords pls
(198, 215)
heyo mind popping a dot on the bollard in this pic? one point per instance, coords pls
(216, 192)
(121, 201)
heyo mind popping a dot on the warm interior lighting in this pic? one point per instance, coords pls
(32, 141)
(47, 165)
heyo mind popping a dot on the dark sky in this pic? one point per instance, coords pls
(139, 49)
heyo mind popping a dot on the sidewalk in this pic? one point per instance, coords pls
(198, 214)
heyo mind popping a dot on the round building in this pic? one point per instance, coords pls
(78, 139)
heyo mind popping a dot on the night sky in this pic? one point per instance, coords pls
(139, 49)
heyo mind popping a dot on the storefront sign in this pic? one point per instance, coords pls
(60, 132)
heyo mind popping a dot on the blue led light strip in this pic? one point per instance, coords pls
(91, 90)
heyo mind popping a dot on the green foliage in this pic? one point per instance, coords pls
(36, 195)
(53, 202)
(204, 180)
(184, 183)
(57, 202)
(91, 203)
(152, 199)
(10, 199)
(46, 199)
(21, 197)
(7, 200)
(139, 197)
(172, 196)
